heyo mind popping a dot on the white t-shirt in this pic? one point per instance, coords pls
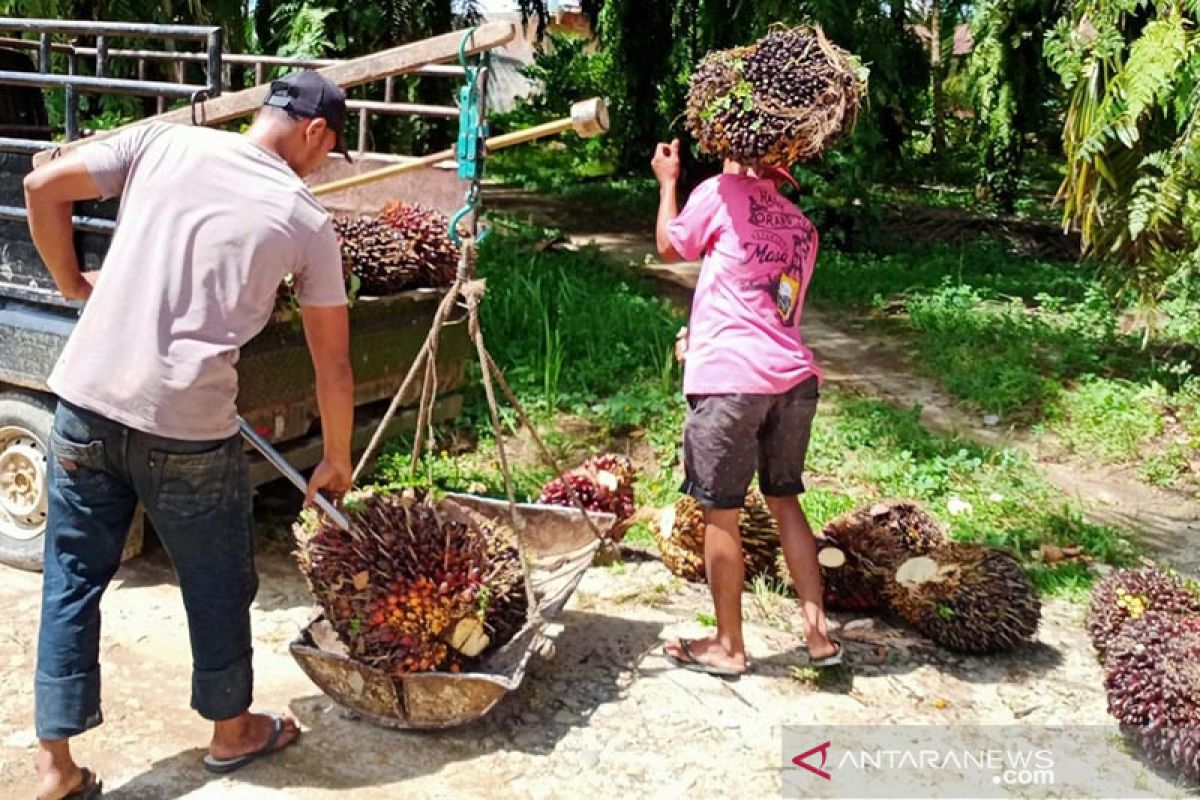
(209, 225)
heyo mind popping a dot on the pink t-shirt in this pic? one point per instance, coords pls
(759, 251)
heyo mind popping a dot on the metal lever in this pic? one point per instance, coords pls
(291, 473)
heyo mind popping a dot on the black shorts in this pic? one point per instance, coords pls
(728, 436)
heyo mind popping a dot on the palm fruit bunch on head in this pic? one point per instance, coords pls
(786, 98)
(602, 483)
(1152, 677)
(1127, 594)
(415, 586)
(407, 246)
(877, 538)
(679, 534)
(969, 598)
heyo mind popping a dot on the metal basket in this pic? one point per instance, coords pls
(560, 546)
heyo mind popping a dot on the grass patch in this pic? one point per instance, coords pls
(1038, 343)
(876, 450)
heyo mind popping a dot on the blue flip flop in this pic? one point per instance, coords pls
(223, 766)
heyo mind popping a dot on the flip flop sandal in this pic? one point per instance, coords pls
(831, 660)
(223, 766)
(695, 665)
(89, 788)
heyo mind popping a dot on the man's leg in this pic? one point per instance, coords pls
(198, 496)
(90, 507)
(800, 552)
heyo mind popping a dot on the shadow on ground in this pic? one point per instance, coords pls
(340, 752)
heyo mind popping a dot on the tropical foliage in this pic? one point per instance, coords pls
(1132, 136)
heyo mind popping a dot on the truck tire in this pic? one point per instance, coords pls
(25, 420)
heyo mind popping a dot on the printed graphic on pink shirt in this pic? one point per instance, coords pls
(759, 251)
(769, 246)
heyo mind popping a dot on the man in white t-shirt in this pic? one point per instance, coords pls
(210, 222)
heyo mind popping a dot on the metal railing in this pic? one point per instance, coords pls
(74, 82)
(227, 61)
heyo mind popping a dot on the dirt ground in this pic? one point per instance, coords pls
(603, 715)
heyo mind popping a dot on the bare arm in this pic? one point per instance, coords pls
(666, 170)
(327, 330)
(50, 192)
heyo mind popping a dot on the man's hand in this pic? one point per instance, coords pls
(332, 477)
(666, 163)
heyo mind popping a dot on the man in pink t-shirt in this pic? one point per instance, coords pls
(751, 386)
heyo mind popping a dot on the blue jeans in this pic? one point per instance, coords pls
(197, 495)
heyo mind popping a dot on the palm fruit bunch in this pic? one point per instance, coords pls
(679, 534)
(1152, 676)
(427, 232)
(602, 483)
(1127, 594)
(876, 539)
(786, 98)
(377, 254)
(414, 587)
(407, 246)
(846, 584)
(968, 598)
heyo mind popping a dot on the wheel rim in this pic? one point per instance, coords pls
(22, 484)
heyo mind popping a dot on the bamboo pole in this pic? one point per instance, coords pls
(588, 118)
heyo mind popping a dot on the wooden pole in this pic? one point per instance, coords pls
(397, 60)
(588, 118)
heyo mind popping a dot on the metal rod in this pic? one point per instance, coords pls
(291, 473)
(212, 70)
(85, 224)
(107, 85)
(363, 115)
(247, 59)
(86, 28)
(44, 50)
(11, 145)
(101, 56)
(71, 121)
(416, 109)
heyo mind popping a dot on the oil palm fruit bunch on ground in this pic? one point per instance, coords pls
(416, 586)
(679, 534)
(846, 584)
(407, 246)
(1127, 594)
(877, 538)
(1152, 676)
(602, 483)
(969, 598)
(786, 98)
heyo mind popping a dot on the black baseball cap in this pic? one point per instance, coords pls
(309, 94)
